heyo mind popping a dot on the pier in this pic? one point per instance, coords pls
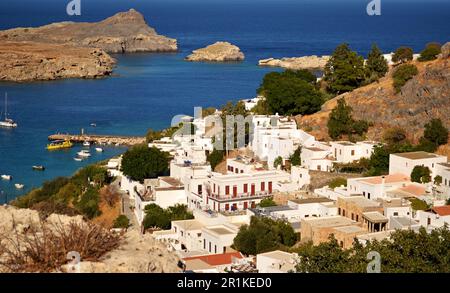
(99, 139)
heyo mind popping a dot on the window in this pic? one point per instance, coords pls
(227, 190)
(353, 216)
(236, 171)
(199, 189)
(224, 249)
(339, 211)
(253, 189)
(242, 171)
(215, 248)
(227, 207)
(429, 221)
(209, 246)
(357, 218)
(353, 152)
(245, 188)
(270, 186)
(395, 213)
(263, 186)
(204, 244)
(368, 195)
(343, 213)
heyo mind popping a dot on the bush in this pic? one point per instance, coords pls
(278, 162)
(88, 204)
(295, 158)
(157, 217)
(142, 162)
(436, 132)
(430, 52)
(418, 205)
(267, 202)
(121, 221)
(215, 158)
(341, 122)
(337, 182)
(402, 74)
(402, 55)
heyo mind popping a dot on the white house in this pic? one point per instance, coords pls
(276, 262)
(443, 170)
(405, 162)
(347, 152)
(218, 238)
(315, 158)
(377, 186)
(435, 218)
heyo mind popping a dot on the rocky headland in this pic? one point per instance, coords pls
(70, 49)
(297, 63)
(217, 52)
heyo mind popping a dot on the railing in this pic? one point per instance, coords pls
(239, 196)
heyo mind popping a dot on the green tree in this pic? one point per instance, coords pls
(215, 158)
(291, 92)
(261, 108)
(337, 182)
(418, 205)
(402, 55)
(121, 221)
(438, 180)
(152, 135)
(402, 74)
(344, 71)
(421, 174)
(341, 122)
(379, 161)
(142, 162)
(267, 202)
(156, 217)
(264, 234)
(376, 65)
(431, 51)
(278, 162)
(295, 158)
(179, 212)
(436, 132)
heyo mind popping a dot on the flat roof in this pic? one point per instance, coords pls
(278, 254)
(345, 143)
(414, 189)
(221, 230)
(375, 217)
(394, 178)
(170, 180)
(350, 229)
(188, 224)
(334, 221)
(360, 201)
(447, 165)
(311, 200)
(417, 155)
(404, 221)
(315, 149)
(375, 236)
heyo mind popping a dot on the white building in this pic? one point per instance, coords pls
(436, 218)
(218, 238)
(377, 186)
(405, 162)
(347, 152)
(316, 158)
(276, 262)
(443, 170)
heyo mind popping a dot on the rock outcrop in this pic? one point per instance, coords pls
(28, 61)
(136, 253)
(297, 63)
(76, 50)
(125, 32)
(422, 98)
(217, 52)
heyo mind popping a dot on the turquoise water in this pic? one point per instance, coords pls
(147, 90)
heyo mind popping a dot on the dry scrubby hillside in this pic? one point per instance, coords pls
(422, 98)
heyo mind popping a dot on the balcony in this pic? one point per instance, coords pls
(239, 196)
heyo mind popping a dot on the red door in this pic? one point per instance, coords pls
(227, 207)
(253, 189)
(245, 205)
(234, 191)
(253, 205)
(270, 186)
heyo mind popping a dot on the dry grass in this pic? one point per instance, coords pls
(44, 247)
(444, 150)
(110, 206)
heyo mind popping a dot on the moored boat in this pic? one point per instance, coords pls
(84, 154)
(78, 159)
(86, 144)
(99, 150)
(59, 144)
(6, 177)
(7, 123)
(38, 168)
(19, 186)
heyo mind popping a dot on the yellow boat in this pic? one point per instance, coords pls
(59, 144)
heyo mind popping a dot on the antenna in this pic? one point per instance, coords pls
(6, 106)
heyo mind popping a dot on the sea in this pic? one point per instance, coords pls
(148, 89)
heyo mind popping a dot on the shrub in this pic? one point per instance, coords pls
(337, 182)
(430, 52)
(215, 158)
(88, 204)
(341, 122)
(121, 221)
(402, 55)
(295, 158)
(278, 162)
(421, 174)
(267, 202)
(402, 74)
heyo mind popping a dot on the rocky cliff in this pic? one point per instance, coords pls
(422, 98)
(125, 32)
(297, 63)
(217, 52)
(27, 61)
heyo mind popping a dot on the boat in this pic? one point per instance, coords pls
(38, 168)
(86, 144)
(7, 123)
(93, 125)
(6, 177)
(19, 186)
(78, 159)
(59, 144)
(99, 150)
(84, 154)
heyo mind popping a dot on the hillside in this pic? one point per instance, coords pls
(422, 98)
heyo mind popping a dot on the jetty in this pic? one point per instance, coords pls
(99, 139)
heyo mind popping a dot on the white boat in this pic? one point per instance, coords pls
(84, 154)
(8, 123)
(86, 144)
(99, 150)
(78, 159)
(6, 177)
(19, 186)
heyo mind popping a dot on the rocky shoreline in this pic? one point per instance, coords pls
(76, 50)
(297, 63)
(217, 52)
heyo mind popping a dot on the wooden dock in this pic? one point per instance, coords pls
(99, 139)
